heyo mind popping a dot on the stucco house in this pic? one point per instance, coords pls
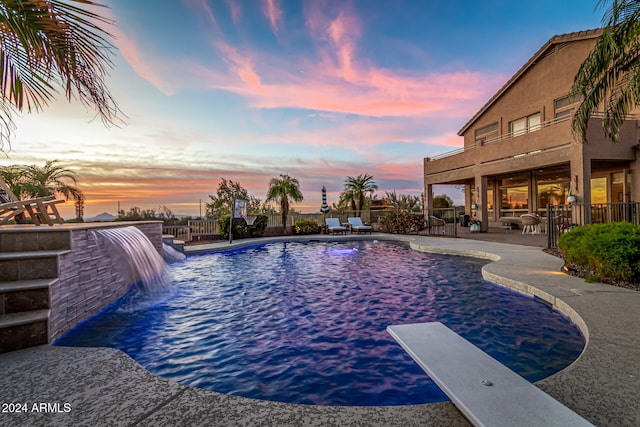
(520, 153)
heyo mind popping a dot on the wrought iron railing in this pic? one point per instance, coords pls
(444, 221)
(507, 135)
(561, 218)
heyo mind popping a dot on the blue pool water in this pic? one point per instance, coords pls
(305, 323)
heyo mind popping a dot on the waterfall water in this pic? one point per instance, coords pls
(171, 255)
(136, 258)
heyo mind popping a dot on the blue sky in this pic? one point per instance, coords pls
(321, 90)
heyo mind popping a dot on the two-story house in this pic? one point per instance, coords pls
(520, 153)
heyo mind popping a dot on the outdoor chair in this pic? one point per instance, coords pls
(40, 209)
(530, 224)
(357, 225)
(333, 225)
(436, 225)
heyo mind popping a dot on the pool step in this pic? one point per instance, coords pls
(25, 280)
(24, 295)
(176, 244)
(15, 266)
(22, 330)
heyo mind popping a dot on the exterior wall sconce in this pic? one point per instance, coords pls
(572, 198)
(474, 206)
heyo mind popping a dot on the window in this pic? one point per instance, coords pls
(598, 190)
(525, 124)
(487, 134)
(564, 106)
(552, 192)
(490, 198)
(514, 195)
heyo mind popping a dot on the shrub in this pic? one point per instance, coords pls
(240, 228)
(403, 222)
(305, 226)
(610, 250)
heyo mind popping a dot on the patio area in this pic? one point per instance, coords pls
(500, 235)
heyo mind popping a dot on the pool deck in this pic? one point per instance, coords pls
(105, 387)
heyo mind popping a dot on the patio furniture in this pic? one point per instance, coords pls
(530, 224)
(357, 225)
(333, 225)
(436, 225)
(37, 208)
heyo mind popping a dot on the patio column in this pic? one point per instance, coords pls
(634, 191)
(581, 187)
(482, 212)
(428, 199)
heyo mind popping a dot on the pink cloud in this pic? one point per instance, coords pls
(202, 7)
(240, 65)
(336, 80)
(236, 11)
(139, 60)
(273, 12)
(333, 78)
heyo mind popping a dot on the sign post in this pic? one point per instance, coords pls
(240, 210)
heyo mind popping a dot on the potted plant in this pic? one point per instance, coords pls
(474, 225)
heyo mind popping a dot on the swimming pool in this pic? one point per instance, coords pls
(305, 323)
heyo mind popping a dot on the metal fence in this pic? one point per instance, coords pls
(444, 221)
(561, 218)
(197, 229)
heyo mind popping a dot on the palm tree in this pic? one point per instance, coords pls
(50, 179)
(356, 189)
(282, 190)
(611, 73)
(46, 43)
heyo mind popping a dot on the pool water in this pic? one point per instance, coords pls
(305, 323)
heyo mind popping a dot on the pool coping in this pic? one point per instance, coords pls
(104, 386)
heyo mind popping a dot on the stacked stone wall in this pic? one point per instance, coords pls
(89, 279)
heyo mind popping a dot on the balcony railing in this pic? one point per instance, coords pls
(502, 137)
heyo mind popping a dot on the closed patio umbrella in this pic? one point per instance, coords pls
(324, 208)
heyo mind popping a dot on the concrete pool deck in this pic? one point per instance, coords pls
(105, 387)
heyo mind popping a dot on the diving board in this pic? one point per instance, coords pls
(484, 390)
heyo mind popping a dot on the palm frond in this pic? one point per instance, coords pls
(607, 79)
(46, 44)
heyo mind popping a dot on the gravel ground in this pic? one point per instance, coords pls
(580, 271)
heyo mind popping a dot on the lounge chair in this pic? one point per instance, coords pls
(333, 225)
(8, 209)
(357, 225)
(436, 225)
(40, 209)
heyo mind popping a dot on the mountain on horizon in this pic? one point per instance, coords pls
(103, 217)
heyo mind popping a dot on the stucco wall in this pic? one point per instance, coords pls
(88, 279)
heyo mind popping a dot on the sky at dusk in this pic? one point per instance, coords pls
(250, 89)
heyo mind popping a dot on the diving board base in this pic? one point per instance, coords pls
(484, 390)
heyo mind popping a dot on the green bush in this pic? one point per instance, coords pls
(305, 226)
(403, 222)
(240, 228)
(610, 250)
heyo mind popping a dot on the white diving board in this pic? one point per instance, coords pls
(484, 390)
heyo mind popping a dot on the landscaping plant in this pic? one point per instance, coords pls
(609, 250)
(305, 226)
(240, 228)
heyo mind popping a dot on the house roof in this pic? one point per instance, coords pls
(553, 41)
